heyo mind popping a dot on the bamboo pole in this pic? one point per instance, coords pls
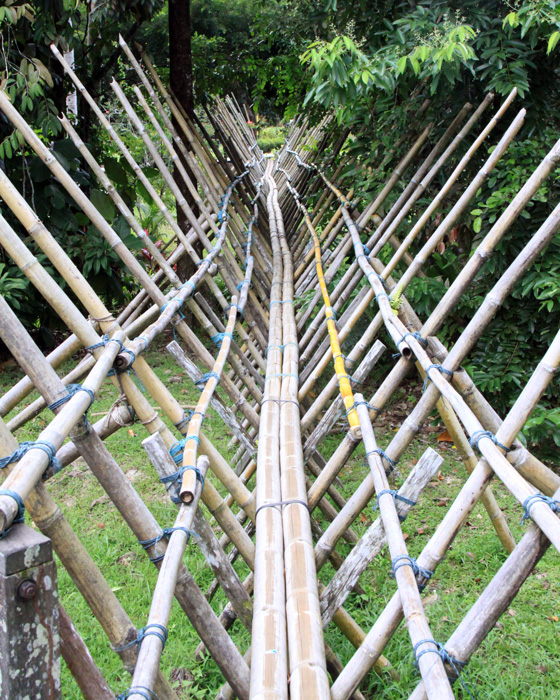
(307, 664)
(407, 573)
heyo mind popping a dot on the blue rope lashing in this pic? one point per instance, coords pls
(144, 340)
(443, 370)
(240, 285)
(20, 515)
(381, 453)
(528, 503)
(350, 379)
(162, 308)
(362, 403)
(24, 447)
(285, 374)
(178, 475)
(405, 560)
(420, 339)
(153, 629)
(217, 339)
(193, 288)
(446, 657)
(477, 436)
(382, 294)
(276, 345)
(181, 425)
(104, 340)
(367, 251)
(147, 693)
(240, 309)
(71, 390)
(395, 496)
(176, 451)
(166, 532)
(373, 272)
(206, 377)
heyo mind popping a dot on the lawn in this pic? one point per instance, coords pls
(519, 659)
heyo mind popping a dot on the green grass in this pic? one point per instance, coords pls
(271, 138)
(519, 659)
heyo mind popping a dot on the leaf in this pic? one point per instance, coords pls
(553, 40)
(103, 204)
(444, 437)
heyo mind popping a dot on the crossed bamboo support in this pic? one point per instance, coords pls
(287, 369)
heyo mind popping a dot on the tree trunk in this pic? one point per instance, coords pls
(181, 83)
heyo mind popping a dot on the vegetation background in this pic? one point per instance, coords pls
(373, 63)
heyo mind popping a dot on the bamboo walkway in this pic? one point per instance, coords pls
(294, 341)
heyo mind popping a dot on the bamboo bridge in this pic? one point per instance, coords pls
(267, 294)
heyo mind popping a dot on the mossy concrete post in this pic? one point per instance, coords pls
(29, 639)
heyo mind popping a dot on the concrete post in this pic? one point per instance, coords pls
(29, 640)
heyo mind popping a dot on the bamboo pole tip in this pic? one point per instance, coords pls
(356, 432)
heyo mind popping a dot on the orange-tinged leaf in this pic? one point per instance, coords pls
(444, 437)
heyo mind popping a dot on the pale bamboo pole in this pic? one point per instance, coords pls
(33, 463)
(89, 580)
(306, 646)
(162, 167)
(192, 438)
(155, 632)
(406, 199)
(269, 663)
(407, 574)
(371, 544)
(229, 263)
(184, 174)
(461, 442)
(129, 504)
(456, 515)
(168, 123)
(75, 280)
(419, 190)
(368, 213)
(428, 401)
(431, 244)
(24, 387)
(426, 404)
(120, 203)
(149, 418)
(127, 155)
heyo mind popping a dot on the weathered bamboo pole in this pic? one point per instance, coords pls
(269, 663)
(447, 530)
(410, 578)
(307, 664)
